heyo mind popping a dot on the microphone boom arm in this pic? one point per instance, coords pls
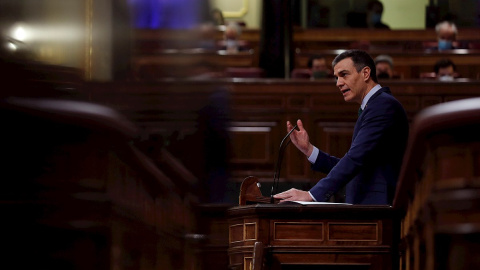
(281, 152)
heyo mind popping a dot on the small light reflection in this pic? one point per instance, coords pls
(11, 46)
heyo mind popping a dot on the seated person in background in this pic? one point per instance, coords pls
(445, 70)
(231, 35)
(372, 18)
(446, 36)
(384, 66)
(374, 15)
(318, 66)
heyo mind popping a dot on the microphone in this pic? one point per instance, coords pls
(281, 151)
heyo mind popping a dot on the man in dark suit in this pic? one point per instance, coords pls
(371, 166)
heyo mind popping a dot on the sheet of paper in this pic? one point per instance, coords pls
(309, 203)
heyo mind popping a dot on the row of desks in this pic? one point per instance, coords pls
(181, 63)
(303, 38)
(154, 58)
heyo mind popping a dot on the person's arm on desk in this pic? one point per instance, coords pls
(294, 194)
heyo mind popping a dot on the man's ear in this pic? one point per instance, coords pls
(366, 73)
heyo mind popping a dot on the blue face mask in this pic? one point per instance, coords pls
(444, 44)
(376, 18)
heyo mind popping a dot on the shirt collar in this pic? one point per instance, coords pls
(369, 95)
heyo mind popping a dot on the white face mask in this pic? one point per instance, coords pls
(446, 78)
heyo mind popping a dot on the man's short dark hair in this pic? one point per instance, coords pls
(374, 3)
(443, 63)
(314, 57)
(360, 60)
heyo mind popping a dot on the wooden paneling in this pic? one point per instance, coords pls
(258, 111)
(306, 231)
(251, 144)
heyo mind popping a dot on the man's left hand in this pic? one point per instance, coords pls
(294, 195)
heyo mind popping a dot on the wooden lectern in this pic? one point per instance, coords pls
(295, 236)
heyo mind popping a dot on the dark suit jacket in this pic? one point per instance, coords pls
(371, 166)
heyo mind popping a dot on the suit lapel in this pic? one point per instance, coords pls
(360, 118)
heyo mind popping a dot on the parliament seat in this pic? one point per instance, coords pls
(301, 73)
(244, 72)
(433, 75)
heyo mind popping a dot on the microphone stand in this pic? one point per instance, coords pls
(281, 152)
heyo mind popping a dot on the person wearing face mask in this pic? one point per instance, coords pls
(231, 35)
(318, 66)
(446, 35)
(372, 18)
(384, 66)
(374, 15)
(445, 70)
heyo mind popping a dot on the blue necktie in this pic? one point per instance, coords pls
(360, 111)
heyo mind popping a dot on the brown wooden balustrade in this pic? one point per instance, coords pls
(438, 192)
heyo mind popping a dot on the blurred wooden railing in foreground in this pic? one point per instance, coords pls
(438, 193)
(77, 194)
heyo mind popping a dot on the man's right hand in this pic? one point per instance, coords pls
(300, 138)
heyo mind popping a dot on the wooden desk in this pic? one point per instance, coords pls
(403, 40)
(187, 63)
(304, 237)
(314, 38)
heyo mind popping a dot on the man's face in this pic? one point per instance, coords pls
(319, 65)
(384, 68)
(351, 83)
